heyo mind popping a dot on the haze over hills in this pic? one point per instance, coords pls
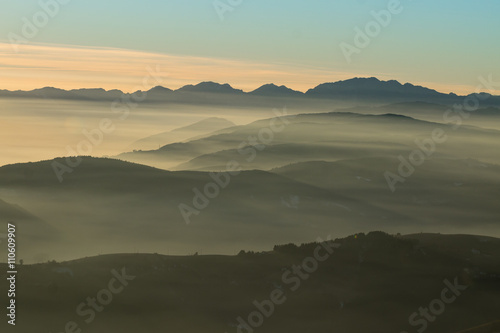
(254, 208)
(140, 202)
(442, 189)
(485, 117)
(324, 136)
(300, 174)
(357, 89)
(296, 176)
(313, 172)
(30, 229)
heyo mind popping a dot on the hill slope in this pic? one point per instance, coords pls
(121, 206)
(324, 136)
(369, 283)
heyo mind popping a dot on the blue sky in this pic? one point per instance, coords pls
(437, 43)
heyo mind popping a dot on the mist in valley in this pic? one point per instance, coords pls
(261, 176)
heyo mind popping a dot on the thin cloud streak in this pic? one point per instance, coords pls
(68, 67)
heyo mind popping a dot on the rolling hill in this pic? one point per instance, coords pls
(110, 205)
(324, 136)
(456, 192)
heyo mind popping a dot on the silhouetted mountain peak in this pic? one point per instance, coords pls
(159, 90)
(210, 87)
(271, 89)
(371, 88)
(48, 90)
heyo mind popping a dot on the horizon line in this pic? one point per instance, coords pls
(243, 91)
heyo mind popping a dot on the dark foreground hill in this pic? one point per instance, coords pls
(362, 283)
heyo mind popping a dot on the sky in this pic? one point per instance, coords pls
(446, 45)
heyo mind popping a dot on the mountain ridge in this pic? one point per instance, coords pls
(356, 88)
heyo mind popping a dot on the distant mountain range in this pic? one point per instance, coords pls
(356, 89)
